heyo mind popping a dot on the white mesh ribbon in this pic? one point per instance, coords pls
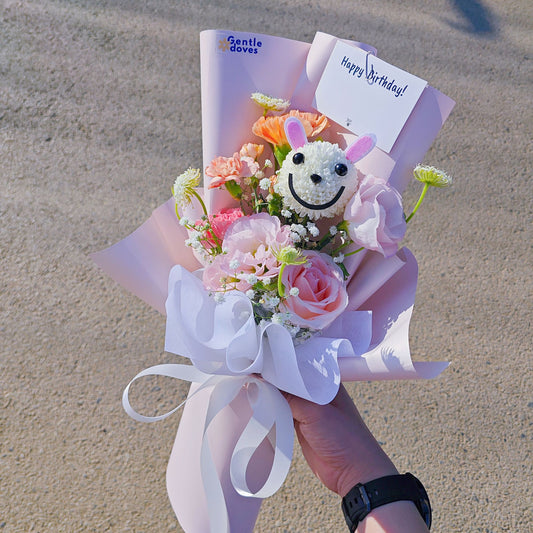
(231, 354)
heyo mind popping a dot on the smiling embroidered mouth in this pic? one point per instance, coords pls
(314, 206)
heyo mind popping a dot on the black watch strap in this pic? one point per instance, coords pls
(365, 497)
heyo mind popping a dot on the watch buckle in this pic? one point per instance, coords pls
(365, 498)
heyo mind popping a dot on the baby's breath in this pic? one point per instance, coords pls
(264, 184)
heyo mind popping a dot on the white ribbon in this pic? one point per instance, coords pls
(231, 353)
(223, 338)
(271, 418)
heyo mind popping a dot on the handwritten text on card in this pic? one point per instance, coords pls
(366, 94)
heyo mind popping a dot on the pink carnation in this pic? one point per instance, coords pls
(375, 216)
(223, 169)
(248, 247)
(219, 224)
(322, 295)
(222, 221)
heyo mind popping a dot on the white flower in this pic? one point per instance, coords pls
(251, 279)
(250, 293)
(432, 176)
(279, 318)
(270, 302)
(184, 221)
(184, 185)
(268, 163)
(333, 230)
(293, 330)
(264, 184)
(295, 237)
(219, 297)
(298, 228)
(295, 291)
(259, 174)
(339, 258)
(234, 264)
(286, 213)
(313, 230)
(269, 103)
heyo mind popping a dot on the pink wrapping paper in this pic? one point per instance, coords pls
(142, 261)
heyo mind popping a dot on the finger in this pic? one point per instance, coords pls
(303, 410)
(344, 402)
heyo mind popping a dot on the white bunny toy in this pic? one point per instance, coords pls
(317, 179)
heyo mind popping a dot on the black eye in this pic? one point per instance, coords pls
(341, 169)
(298, 158)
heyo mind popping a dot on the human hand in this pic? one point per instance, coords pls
(337, 444)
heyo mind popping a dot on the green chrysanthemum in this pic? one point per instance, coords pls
(269, 103)
(432, 176)
(289, 255)
(183, 188)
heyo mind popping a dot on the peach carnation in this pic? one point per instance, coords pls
(224, 169)
(272, 128)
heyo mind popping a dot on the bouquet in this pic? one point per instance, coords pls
(283, 273)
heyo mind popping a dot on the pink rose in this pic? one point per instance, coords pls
(375, 216)
(322, 295)
(223, 169)
(248, 249)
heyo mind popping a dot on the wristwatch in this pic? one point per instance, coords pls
(364, 497)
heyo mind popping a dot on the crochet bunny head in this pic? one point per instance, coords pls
(317, 179)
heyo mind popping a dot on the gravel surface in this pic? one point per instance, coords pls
(100, 109)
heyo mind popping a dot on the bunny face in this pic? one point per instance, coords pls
(317, 180)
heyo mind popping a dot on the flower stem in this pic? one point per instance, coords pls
(201, 202)
(324, 241)
(347, 243)
(281, 287)
(354, 252)
(344, 271)
(418, 204)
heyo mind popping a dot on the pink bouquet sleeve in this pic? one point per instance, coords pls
(142, 261)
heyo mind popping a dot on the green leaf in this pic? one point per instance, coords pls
(275, 205)
(234, 189)
(280, 153)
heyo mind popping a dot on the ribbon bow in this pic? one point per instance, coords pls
(230, 352)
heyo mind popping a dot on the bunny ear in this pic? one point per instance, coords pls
(295, 132)
(361, 147)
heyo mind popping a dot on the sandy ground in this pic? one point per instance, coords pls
(100, 109)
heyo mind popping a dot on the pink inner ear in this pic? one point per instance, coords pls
(295, 132)
(361, 147)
